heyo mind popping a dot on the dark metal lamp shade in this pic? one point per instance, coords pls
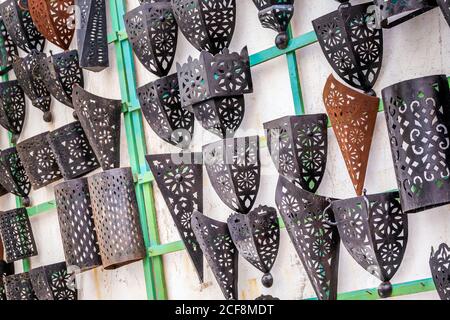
(20, 27)
(161, 106)
(393, 13)
(28, 74)
(352, 46)
(257, 238)
(445, 7)
(92, 35)
(116, 217)
(440, 270)
(298, 146)
(53, 282)
(418, 119)
(206, 24)
(76, 223)
(153, 33)
(220, 252)
(353, 116)
(374, 231)
(276, 15)
(12, 108)
(17, 235)
(13, 176)
(6, 269)
(100, 119)
(8, 49)
(315, 239)
(18, 287)
(213, 88)
(234, 168)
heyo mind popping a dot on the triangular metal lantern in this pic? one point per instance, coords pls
(18, 287)
(6, 269)
(161, 106)
(8, 49)
(60, 72)
(352, 46)
(298, 146)
(234, 168)
(13, 176)
(276, 15)
(445, 7)
(20, 27)
(92, 35)
(353, 116)
(313, 234)
(418, 121)
(213, 88)
(206, 24)
(393, 13)
(28, 74)
(54, 19)
(100, 119)
(374, 230)
(220, 252)
(153, 34)
(257, 238)
(440, 270)
(180, 180)
(12, 108)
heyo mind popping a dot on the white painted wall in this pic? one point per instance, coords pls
(417, 48)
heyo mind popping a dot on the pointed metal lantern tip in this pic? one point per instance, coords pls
(298, 146)
(153, 33)
(220, 252)
(180, 180)
(440, 270)
(313, 234)
(12, 108)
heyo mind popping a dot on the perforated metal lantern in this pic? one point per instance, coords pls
(445, 7)
(72, 151)
(276, 15)
(20, 27)
(440, 270)
(257, 238)
(160, 104)
(298, 146)
(315, 239)
(353, 116)
(39, 161)
(17, 235)
(12, 108)
(92, 35)
(213, 88)
(116, 217)
(234, 168)
(220, 252)
(374, 231)
(54, 19)
(18, 287)
(6, 269)
(13, 176)
(60, 72)
(76, 223)
(352, 44)
(28, 74)
(100, 119)
(53, 282)
(180, 180)
(8, 49)
(393, 13)
(418, 121)
(206, 24)
(153, 33)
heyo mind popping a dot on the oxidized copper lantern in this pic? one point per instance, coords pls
(13, 176)
(393, 13)
(8, 49)
(440, 270)
(213, 88)
(12, 108)
(53, 282)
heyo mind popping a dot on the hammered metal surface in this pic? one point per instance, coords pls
(298, 146)
(100, 119)
(234, 168)
(6, 269)
(220, 252)
(418, 121)
(316, 240)
(8, 49)
(18, 287)
(353, 116)
(161, 107)
(153, 34)
(393, 13)
(440, 270)
(12, 108)
(116, 217)
(13, 176)
(206, 24)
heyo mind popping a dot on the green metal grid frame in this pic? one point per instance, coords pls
(153, 264)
